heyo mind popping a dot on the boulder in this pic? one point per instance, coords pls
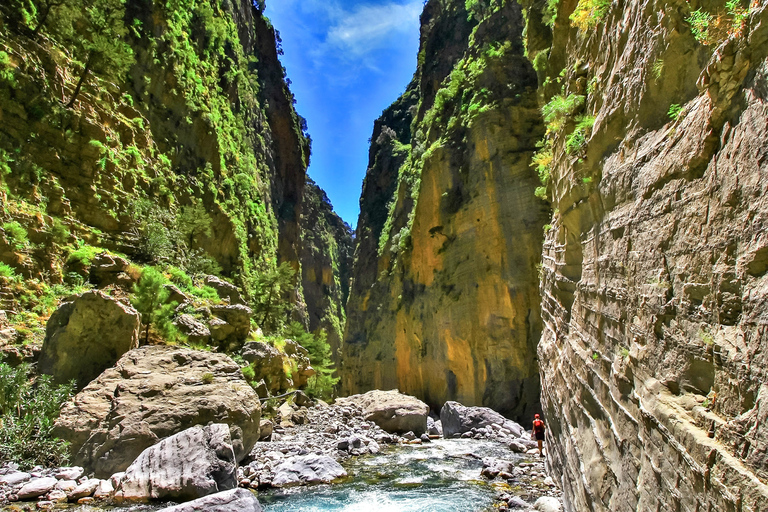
(236, 315)
(107, 269)
(267, 363)
(154, 392)
(189, 465)
(307, 469)
(265, 430)
(87, 335)
(458, 419)
(36, 487)
(392, 410)
(195, 331)
(304, 369)
(69, 473)
(225, 290)
(175, 294)
(548, 504)
(240, 500)
(15, 478)
(84, 489)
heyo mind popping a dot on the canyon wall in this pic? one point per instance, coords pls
(444, 300)
(654, 287)
(180, 145)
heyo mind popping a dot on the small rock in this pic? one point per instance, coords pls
(103, 490)
(72, 473)
(85, 489)
(57, 496)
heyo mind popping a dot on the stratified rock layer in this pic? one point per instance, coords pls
(154, 392)
(653, 357)
(444, 302)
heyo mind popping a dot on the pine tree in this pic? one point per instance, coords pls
(150, 299)
(270, 296)
(95, 33)
(322, 383)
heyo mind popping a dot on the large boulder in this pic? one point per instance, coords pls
(392, 410)
(195, 331)
(230, 324)
(107, 269)
(307, 469)
(189, 465)
(457, 419)
(225, 290)
(240, 500)
(87, 335)
(267, 363)
(154, 392)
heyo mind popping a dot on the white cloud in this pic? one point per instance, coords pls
(372, 27)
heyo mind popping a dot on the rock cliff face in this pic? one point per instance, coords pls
(326, 263)
(654, 288)
(191, 153)
(444, 301)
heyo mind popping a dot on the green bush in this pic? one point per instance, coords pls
(83, 255)
(577, 139)
(559, 108)
(700, 21)
(321, 384)
(16, 235)
(7, 271)
(28, 410)
(150, 300)
(589, 13)
(674, 111)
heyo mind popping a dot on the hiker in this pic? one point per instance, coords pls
(538, 431)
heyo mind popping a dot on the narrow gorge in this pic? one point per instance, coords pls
(565, 213)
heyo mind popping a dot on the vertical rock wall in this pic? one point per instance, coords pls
(654, 291)
(444, 301)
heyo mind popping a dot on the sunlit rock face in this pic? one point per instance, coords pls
(444, 301)
(654, 287)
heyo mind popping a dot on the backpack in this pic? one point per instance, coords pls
(538, 426)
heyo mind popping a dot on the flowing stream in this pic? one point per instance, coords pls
(441, 476)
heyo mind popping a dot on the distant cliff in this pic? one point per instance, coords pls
(654, 286)
(444, 301)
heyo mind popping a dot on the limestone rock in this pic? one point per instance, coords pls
(84, 489)
(548, 504)
(87, 335)
(195, 331)
(236, 315)
(225, 290)
(240, 500)
(191, 464)
(391, 410)
(154, 392)
(107, 269)
(308, 469)
(457, 419)
(444, 302)
(267, 363)
(15, 478)
(36, 487)
(175, 294)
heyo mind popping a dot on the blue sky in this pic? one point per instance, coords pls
(348, 60)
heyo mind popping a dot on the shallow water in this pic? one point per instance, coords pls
(442, 476)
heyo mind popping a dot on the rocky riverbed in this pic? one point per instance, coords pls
(331, 445)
